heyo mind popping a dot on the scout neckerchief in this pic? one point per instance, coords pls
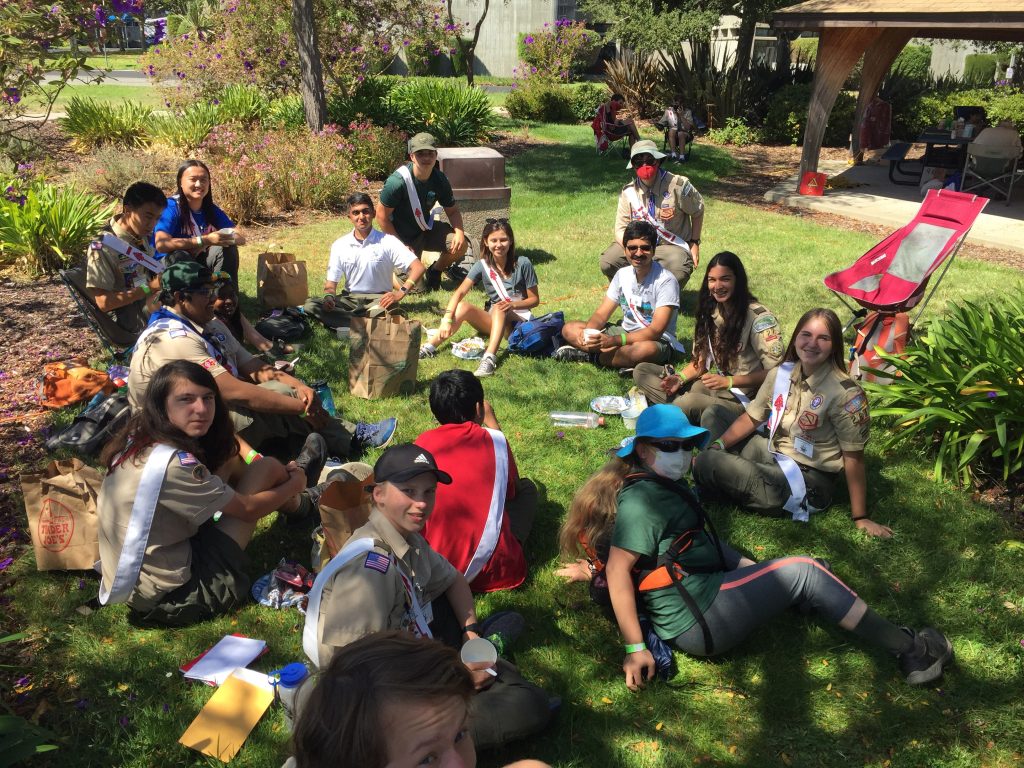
(797, 503)
(496, 511)
(353, 549)
(116, 244)
(165, 320)
(499, 288)
(133, 548)
(628, 284)
(426, 223)
(648, 214)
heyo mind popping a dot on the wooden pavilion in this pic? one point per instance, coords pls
(878, 30)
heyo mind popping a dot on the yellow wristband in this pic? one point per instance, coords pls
(251, 456)
(730, 382)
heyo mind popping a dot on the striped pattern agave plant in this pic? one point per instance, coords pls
(960, 387)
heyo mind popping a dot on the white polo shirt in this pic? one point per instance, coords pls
(368, 265)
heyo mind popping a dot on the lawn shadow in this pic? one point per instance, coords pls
(536, 255)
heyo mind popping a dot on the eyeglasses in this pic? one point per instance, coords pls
(673, 446)
(641, 160)
(645, 248)
(361, 212)
(496, 221)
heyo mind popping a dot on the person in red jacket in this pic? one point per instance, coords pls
(480, 522)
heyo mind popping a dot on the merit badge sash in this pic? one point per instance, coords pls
(797, 503)
(496, 511)
(628, 282)
(650, 218)
(426, 223)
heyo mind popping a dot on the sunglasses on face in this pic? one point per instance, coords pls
(639, 248)
(496, 221)
(642, 160)
(671, 446)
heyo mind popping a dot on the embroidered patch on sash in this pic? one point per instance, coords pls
(377, 562)
(764, 323)
(186, 459)
(209, 363)
(220, 337)
(816, 402)
(808, 421)
(775, 348)
(856, 404)
(770, 337)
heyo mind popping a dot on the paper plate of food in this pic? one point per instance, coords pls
(611, 404)
(469, 349)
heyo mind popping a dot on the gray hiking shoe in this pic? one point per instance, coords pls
(925, 661)
(488, 365)
(569, 354)
(428, 350)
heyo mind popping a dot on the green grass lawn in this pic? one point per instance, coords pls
(798, 693)
(110, 92)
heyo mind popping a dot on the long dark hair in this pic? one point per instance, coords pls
(150, 424)
(835, 330)
(493, 225)
(209, 209)
(724, 343)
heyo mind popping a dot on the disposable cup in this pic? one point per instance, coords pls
(589, 334)
(478, 650)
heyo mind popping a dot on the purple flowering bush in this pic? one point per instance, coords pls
(559, 52)
(376, 150)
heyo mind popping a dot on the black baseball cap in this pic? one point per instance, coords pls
(404, 462)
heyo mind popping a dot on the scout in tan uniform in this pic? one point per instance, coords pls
(388, 577)
(271, 410)
(736, 343)
(668, 201)
(204, 505)
(818, 425)
(119, 285)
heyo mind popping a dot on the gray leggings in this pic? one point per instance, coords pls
(751, 596)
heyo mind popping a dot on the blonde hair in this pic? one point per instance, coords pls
(592, 512)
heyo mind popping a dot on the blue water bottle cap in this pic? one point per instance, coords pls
(293, 674)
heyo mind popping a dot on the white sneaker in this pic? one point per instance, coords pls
(488, 365)
(427, 350)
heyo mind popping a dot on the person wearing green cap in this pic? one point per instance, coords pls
(271, 410)
(406, 201)
(667, 201)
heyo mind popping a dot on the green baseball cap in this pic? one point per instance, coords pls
(183, 275)
(422, 141)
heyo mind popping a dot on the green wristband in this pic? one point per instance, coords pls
(146, 290)
(622, 339)
(635, 647)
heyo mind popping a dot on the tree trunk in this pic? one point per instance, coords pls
(745, 43)
(468, 50)
(314, 101)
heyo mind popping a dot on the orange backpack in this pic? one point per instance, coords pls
(889, 331)
(71, 382)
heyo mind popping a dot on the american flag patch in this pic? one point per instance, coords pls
(377, 562)
(186, 459)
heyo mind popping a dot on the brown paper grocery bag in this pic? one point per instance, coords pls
(62, 515)
(384, 355)
(344, 506)
(281, 281)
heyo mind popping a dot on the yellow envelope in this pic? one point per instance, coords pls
(222, 726)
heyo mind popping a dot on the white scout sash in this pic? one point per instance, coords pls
(116, 244)
(426, 222)
(499, 288)
(635, 204)
(496, 511)
(736, 391)
(172, 324)
(353, 549)
(627, 282)
(133, 549)
(797, 503)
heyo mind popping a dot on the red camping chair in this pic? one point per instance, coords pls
(603, 141)
(891, 278)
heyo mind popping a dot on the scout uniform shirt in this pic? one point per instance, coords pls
(189, 496)
(826, 413)
(680, 194)
(368, 594)
(108, 270)
(165, 346)
(760, 347)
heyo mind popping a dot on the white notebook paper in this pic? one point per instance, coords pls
(225, 657)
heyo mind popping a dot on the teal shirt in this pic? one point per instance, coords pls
(436, 189)
(650, 517)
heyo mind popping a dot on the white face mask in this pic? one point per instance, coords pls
(673, 466)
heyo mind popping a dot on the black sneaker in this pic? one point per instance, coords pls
(569, 354)
(312, 458)
(503, 629)
(925, 661)
(432, 279)
(457, 273)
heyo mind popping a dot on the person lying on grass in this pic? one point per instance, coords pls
(182, 498)
(703, 596)
(510, 283)
(818, 425)
(649, 298)
(390, 700)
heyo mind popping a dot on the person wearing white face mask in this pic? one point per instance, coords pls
(702, 596)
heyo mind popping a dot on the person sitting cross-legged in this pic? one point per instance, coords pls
(367, 259)
(482, 518)
(649, 297)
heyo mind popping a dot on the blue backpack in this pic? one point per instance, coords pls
(536, 337)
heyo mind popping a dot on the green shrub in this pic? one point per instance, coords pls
(787, 117)
(286, 112)
(240, 103)
(370, 99)
(585, 98)
(542, 101)
(735, 132)
(980, 68)
(376, 150)
(639, 78)
(456, 115)
(914, 63)
(959, 388)
(804, 49)
(185, 131)
(50, 228)
(918, 110)
(91, 124)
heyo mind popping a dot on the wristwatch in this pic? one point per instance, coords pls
(695, 242)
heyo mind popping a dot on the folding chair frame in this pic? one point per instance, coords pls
(88, 310)
(969, 173)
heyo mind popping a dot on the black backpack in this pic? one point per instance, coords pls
(536, 337)
(284, 324)
(93, 427)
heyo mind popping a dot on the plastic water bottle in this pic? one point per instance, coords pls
(286, 683)
(576, 419)
(326, 398)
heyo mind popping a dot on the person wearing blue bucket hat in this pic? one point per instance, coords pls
(702, 596)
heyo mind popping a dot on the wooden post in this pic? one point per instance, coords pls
(877, 59)
(839, 48)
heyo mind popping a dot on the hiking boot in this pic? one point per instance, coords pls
(307, 511)
(925, 661)
(375, 434)
(457, 273)
(488, 365)
(432, 280)
(569, 354)
(503, 629)
(428, 350)
(312, 457)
